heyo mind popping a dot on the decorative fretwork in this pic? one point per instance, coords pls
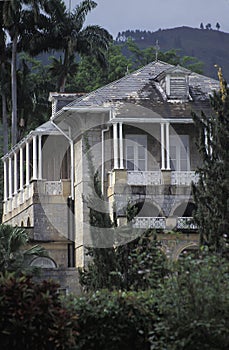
(144, 178)
(53, 188)
(149, 222)
(186, 223)
(184, 177)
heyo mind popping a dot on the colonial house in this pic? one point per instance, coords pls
(137, 134)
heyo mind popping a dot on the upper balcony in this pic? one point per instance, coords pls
(151, 178)
(35, 168)
(164, 154)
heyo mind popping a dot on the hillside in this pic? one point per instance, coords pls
(209, 46)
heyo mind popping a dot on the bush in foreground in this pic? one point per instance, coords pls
(115, 320)
(32, 316)
(194, 306)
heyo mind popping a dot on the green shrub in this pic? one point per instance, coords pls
(32, 316)
(115, 320)
(194, 307)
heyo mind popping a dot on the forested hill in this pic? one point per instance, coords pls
(208, 45)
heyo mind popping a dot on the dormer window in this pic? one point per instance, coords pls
(175, 83)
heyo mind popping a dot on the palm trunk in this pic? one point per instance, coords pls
(14, 90)
(62, 83)
(64, 74)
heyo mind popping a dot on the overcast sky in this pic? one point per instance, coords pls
(119, 15)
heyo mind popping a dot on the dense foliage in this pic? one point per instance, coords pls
(138, 265)
(115, 320)
(32, 316)
(194, 306)
(212, 192)
(188, 309)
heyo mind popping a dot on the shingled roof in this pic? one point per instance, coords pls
(142, 85)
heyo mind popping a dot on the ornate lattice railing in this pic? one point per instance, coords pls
(144, 178)
(183, 177)
(186, 223)
(149, 222)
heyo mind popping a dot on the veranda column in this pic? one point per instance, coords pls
(162, 147)
(39, 157)
(115, 144)
(21, 169)
(10, 177)
(15, 173)
(34, 157)
(5, 181)
(27, 174)
(167, 147)
(121, 146)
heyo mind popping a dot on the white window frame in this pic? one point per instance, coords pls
(180, 142)
(136, 140)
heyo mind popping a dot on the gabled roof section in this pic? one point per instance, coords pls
(138, 86)
(175, 70)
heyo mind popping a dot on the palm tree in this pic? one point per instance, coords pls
(60, 71)
(18, 17)
(67, 33)
(14, 257)
(3, 81)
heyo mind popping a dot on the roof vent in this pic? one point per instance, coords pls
(175, 83)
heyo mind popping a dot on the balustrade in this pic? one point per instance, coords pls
(183, 177)
(149, 222)
(144, 178)
(186, 223)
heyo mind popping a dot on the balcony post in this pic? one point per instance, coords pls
(39, 157)
(162, 147)
(167, 147)
(115, 145)
(27, 165)
(34, 157)
(15, 173)
(10, 177)
(21, 169)
(5, 181)
(121, 146)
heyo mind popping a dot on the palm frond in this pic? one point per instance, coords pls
(80, 12)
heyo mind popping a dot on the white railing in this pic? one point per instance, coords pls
(53, 188)
(149, 222)
(143, 178)
(183, 177)
(186, 223)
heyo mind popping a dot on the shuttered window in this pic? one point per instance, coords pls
(178, 87)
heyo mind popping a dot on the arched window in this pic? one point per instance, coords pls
(22, 224)
(43, 262)
(147, 209)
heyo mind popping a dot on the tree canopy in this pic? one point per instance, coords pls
(212, 191)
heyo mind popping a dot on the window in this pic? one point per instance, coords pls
(179, 152)
(43, 262)
(176, 83)
(136, 152)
